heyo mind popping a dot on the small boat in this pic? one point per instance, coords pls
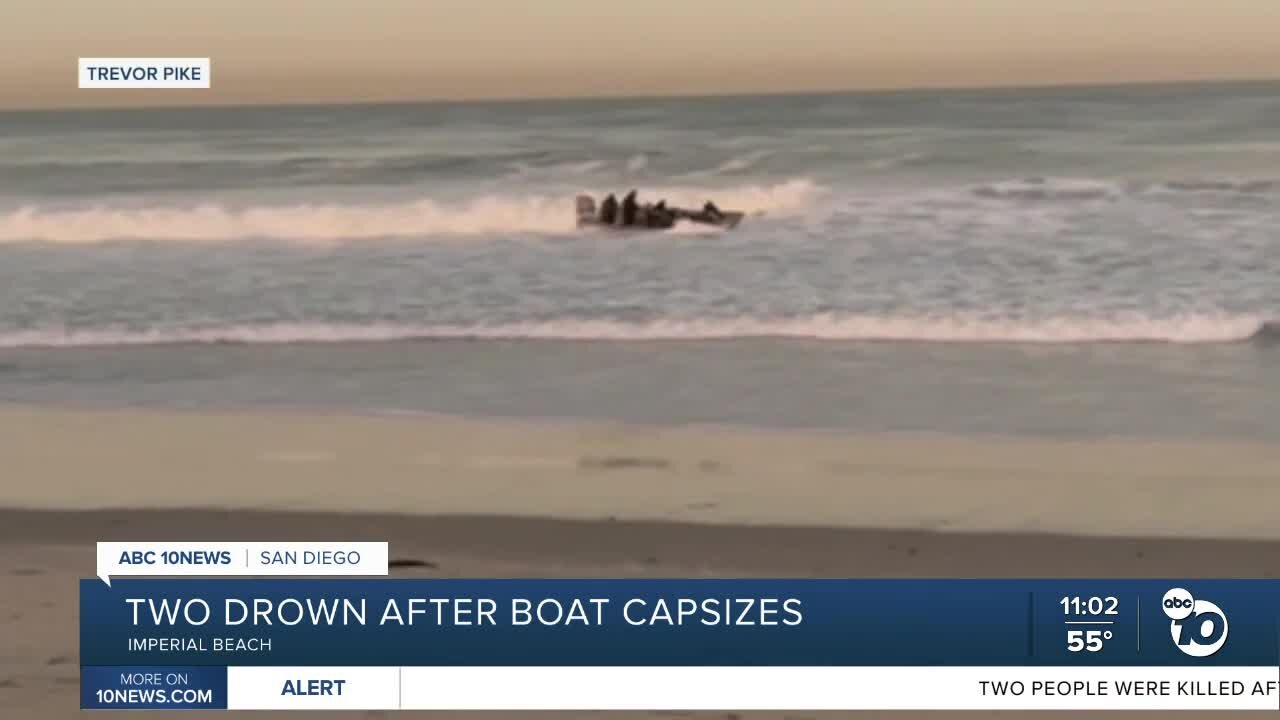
(650, 217)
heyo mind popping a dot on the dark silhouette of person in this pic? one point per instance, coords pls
(661, 216)
(712, 211)
(609, 210)
(629, 208)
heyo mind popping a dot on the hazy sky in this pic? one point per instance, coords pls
(336, 50)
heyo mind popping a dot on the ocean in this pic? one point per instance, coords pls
(1075, 262)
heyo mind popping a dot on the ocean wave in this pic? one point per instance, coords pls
(1069, 188)
(1193, 329)
(539, 214)
(1043, 188)
(1218, 187)
(734, 165)
(527, 170)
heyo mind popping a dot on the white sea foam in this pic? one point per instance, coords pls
(1055, 188)
(736, 164)
(494, 214)
(525, 170)
(1079, 188)
(1186, 329)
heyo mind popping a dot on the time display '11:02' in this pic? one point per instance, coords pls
(1090, 606)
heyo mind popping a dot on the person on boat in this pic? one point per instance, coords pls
(711, 211)
(629, 207)
(661, 216)
(609, 209)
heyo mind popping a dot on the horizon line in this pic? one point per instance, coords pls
(518, 100)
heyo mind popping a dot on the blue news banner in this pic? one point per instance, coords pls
(140, 637)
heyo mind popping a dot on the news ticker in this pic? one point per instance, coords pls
(383, 644)
(679, 688)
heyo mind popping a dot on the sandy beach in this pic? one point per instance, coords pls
(595, 471)
(462, 498)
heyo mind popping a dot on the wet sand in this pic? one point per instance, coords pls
(444, 466)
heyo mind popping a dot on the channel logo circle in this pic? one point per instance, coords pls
(1178, 604)
(1198, 627)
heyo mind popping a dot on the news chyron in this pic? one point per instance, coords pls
(145, 73)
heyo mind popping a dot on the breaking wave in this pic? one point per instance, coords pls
(538, 214)
(1078, 189)
(1195, 329)
(1225, 187)
(1040, 188)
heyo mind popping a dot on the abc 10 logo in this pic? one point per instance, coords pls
(1199, 627)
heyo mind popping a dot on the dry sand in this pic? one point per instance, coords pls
(682, 502)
